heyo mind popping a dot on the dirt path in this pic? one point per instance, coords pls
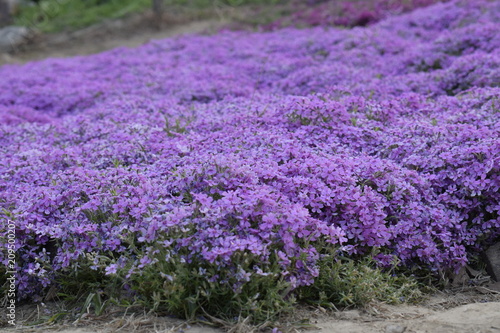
(478, 318)
(96, 44)
(469, 318)
(130, 32)
(467, 310)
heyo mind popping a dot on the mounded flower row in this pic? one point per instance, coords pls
(246, 156)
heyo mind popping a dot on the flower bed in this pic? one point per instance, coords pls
(242, 159)
(346, 13)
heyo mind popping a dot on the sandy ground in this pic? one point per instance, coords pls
(465, 310)
(478, 317)
(130, 32)
(469, 318)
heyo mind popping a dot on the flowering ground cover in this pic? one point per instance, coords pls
(206, 168)
(346, 13)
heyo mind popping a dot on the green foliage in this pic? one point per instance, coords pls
(62, 15)
(82, 281)
(229, 289)
(58, 15)
(200, 290)
(344, 282)
(94, 300)
(193, 290)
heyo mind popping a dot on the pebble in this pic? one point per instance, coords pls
(395, 328)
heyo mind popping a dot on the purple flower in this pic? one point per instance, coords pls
(238, 152)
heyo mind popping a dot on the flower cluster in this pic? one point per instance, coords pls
(345, 13)
(242, 152)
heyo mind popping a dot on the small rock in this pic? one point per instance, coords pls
(12, 37)
(492, 258)
(395, 328)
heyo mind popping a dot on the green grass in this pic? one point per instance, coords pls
(345, 283)
(59, 15)
(63, 15)
(178, 288)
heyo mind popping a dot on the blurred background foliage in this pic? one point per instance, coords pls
(61, 15)
(58, 15)
(66, 15)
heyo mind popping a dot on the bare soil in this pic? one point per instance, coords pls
(461, 310)
(132, 31)
(457, 312)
